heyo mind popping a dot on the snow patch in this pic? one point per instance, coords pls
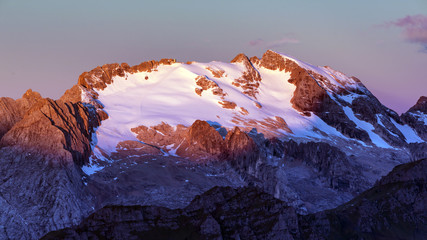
(92, 167)
(349, 98)
(422, 117)
(408, 132)
(96, 163)
(369, 128)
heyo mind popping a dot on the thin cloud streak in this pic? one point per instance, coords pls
(271, 44)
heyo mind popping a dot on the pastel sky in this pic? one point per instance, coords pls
(46, 44)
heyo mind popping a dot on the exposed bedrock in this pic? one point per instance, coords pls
(12, 111)
(309, 96)
(55, 128)
(393, 209)
(41, 187)
(265, 163)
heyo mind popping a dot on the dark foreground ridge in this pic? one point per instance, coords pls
(394, 208)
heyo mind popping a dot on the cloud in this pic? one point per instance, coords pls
(271, 44)
(257, 42)
(414, 29)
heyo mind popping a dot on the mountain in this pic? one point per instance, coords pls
(163, 132)
(277, 95)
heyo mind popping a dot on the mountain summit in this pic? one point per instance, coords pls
(276, 95)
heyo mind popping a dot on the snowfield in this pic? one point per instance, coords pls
(168, 95)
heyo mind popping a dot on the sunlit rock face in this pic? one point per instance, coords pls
(12, 111)
(42, 188)
(284, 133)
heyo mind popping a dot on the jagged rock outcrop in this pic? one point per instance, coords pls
(241, 150)
(250, 79)
(202, 137)
(416, 117)
(12, 111)
(206, 84)
(10, 114)
(68, 125)
(199, 142)
(100, 77)
(41, 181)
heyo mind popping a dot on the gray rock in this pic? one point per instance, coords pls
(393, 209)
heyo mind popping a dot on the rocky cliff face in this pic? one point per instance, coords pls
(12, 111)
(69, 127)
(41, 154)
(393, 209)
(315, 93)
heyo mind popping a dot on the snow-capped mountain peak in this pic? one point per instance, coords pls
(277, 95)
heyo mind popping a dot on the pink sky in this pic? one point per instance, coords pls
(45, 45)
